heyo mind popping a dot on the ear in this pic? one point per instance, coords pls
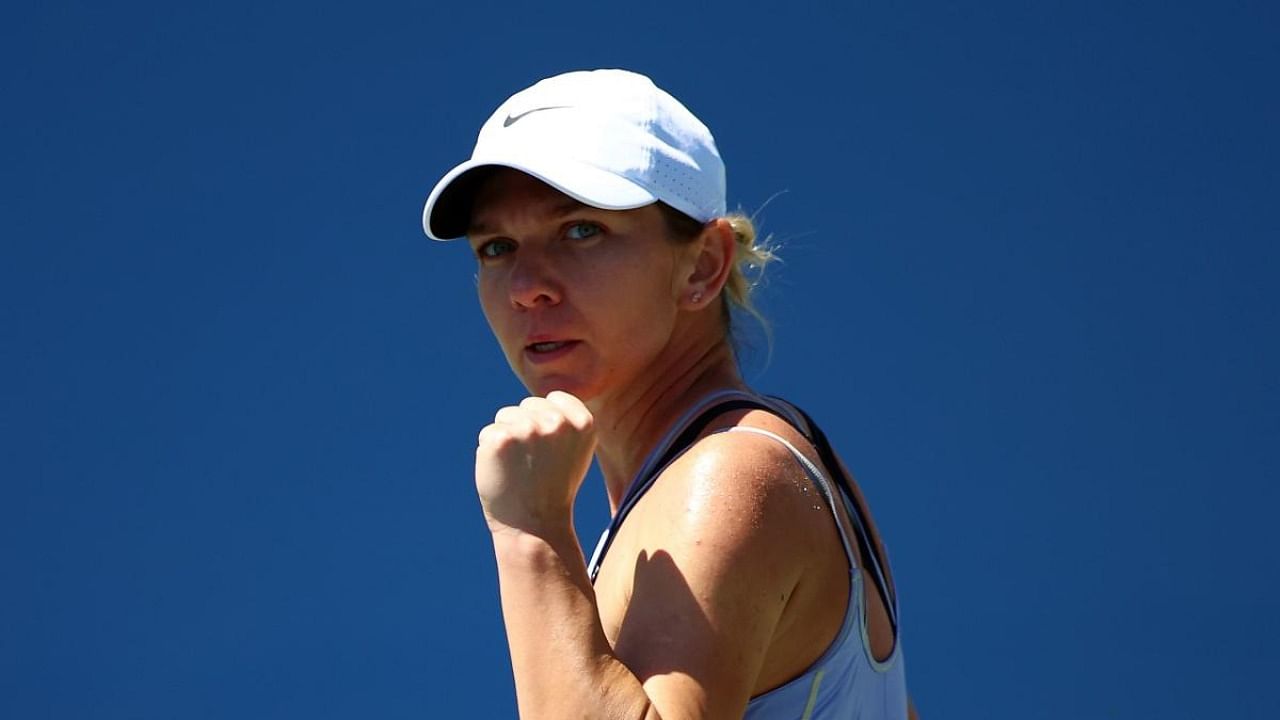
(713, 255)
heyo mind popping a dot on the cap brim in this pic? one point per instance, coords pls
(447, 214)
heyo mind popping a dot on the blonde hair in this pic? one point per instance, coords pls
(748, 267)
(749, 261)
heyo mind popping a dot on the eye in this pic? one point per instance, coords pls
(495, 248)
(582, 230)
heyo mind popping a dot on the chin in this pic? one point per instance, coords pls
(576, 387)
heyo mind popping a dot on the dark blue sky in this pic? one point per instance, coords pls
(1030, 289)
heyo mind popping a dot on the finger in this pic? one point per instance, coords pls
(572, 408)
(490, 434)
(535, 404)
(516, 422)
(546, 415)
(508, 414)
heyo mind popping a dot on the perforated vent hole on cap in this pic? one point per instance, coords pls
(677, 180)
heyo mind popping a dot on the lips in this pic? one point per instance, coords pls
(547, 350)
(543, 347)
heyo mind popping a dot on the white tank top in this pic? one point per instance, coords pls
(846, 681)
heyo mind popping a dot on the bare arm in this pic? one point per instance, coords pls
(710, 581)
(563, 664)
(530, 463)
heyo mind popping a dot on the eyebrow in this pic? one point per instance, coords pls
(568, 206)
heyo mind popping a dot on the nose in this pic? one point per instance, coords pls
(533, 281)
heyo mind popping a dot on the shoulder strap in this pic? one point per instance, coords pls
(858, 513)
(667, 451)
(672, 447)
(829, 493)
(695, 428)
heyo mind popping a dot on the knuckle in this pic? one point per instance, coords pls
(572, 409)
(491, 435)
(554, 420)
(526, 428)
(563, 399)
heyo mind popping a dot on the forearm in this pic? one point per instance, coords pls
(563, 664)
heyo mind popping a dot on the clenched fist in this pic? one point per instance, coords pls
(531, 461)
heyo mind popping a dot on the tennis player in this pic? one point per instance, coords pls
(741, 575)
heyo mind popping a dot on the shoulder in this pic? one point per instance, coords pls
(734, 503)
(709, 564)
(741, 484)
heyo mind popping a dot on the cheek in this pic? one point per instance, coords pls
(492, 305)
(645, 309)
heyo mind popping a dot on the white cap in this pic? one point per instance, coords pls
(608, 138)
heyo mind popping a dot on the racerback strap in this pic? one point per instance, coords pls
(802, 423)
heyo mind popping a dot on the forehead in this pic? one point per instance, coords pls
(508, 195)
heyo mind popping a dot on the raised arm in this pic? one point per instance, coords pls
(698, 581)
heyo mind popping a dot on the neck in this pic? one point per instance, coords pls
(631, 422)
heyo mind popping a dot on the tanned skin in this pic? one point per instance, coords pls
(727, 579)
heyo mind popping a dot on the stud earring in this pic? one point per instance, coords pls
(697, 297)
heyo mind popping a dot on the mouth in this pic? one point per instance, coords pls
(544, 347)
(549, 349)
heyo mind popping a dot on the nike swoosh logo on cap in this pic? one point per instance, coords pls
(511, 119)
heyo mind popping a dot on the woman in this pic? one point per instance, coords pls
(741, 575)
